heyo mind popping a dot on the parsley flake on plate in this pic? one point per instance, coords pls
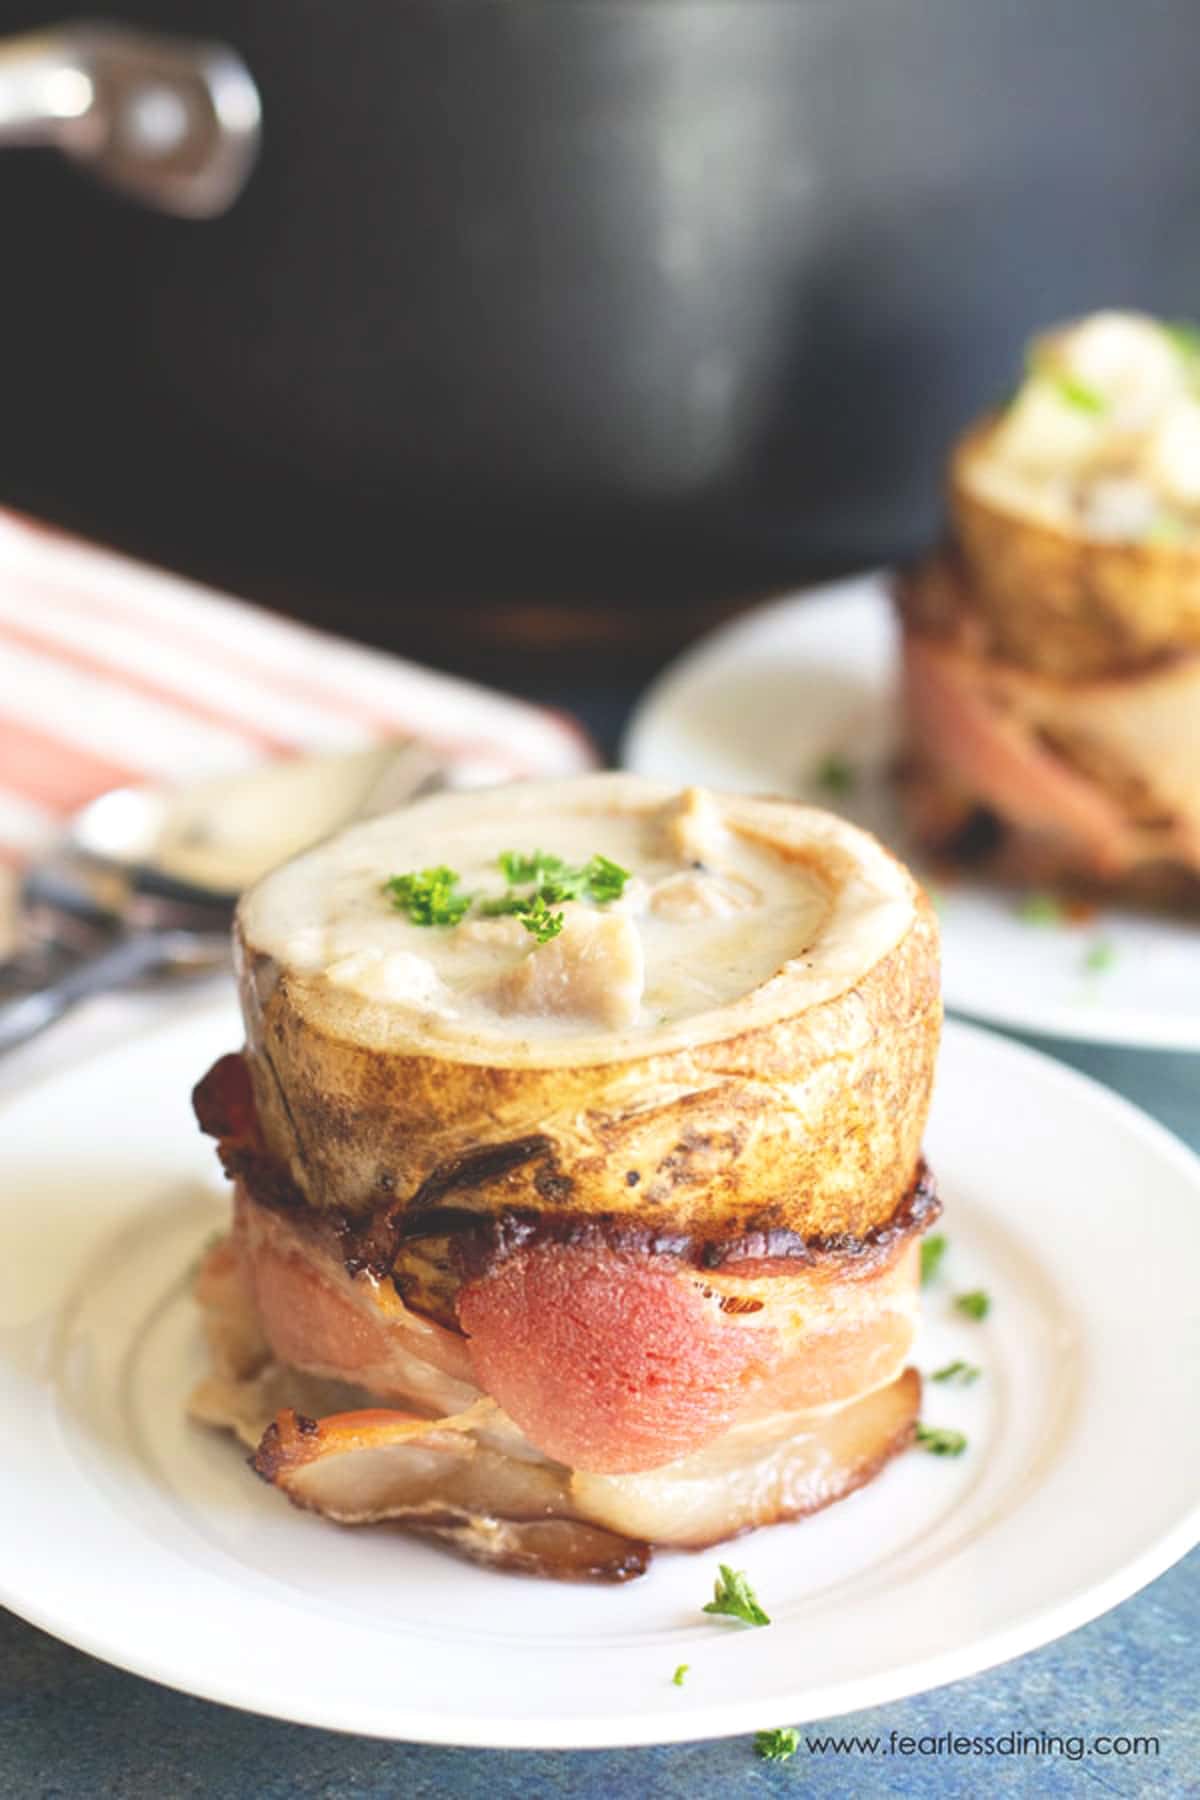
(975, 1305)
(777, 1746)
(1041, 909)
(734, 1598)
(933, 1248)
(836, 774)
(960, 1372)
(939, 1440)
(681, 1671)
(1099, 956)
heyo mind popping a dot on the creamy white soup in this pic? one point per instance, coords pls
(693, 909)
(1103, 434)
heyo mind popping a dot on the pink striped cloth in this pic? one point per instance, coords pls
(112, 672)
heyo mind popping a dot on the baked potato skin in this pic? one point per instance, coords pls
(812, 1124)
(1061, 603)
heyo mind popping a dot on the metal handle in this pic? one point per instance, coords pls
(120, 962)
(172, 121)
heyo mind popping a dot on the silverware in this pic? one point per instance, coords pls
(143, 886)
(171, 121)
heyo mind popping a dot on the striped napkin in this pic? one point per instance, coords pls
(112, 672)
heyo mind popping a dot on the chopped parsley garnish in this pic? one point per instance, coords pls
(777, 1746)
(958, 1371)
(1041, 909)
(501, 904)
(433, 897)
(734, 1598)
(538, 867)
(604, 879)
(940, 1441)
(681, 1671)
(430, 898)
(933, 1248)
(551, 881)
(537, 918)
(598, 880)
(1040, 365)
(836, 774)
(1077, 393)
(976, 1304)
(1099, 956)
(533, 910)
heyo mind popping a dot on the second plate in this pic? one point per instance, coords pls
(762, 703)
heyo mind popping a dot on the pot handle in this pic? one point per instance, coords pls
(171, 121)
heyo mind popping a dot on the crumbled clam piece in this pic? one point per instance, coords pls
(692, 827)
(1129, 361)
(594, 969)
(692, 894)
(505, 933)
(388, 975)
(1173, 457)
(1118, 507)
(1043, 433)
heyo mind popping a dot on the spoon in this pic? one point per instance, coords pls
(144, 882)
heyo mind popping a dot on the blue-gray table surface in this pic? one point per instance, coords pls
(71, 1726)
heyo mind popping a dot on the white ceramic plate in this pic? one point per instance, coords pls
(146, 1540)
(760, 704)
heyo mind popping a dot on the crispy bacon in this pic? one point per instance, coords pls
(621, 1363)
(786, 1467)
(592, 1393)
(473, 1481)
(223, 1100)
(317, 1316)
(606, 1360)
(999, 762)
(374, 1466)
(1099, 778)
(371, 1466)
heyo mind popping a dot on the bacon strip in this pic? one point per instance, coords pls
(786, 1468)
(318, 1317)
(604, 1361)
(998, 761)
(608, 1356)
(990, 730)
(616, 1363)
(374, 1466)
(475, 1483)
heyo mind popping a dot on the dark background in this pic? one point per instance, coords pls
(548, 330)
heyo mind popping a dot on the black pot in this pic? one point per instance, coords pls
(533, 297)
